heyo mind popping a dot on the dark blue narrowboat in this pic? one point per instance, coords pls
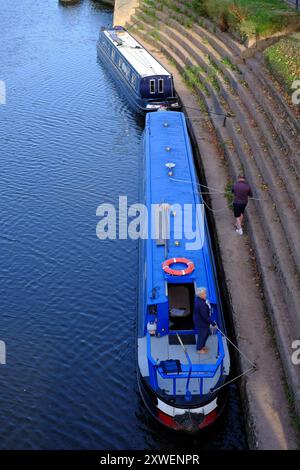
(146, 84)
(182, 389)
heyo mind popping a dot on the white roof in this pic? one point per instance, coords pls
(137, 56)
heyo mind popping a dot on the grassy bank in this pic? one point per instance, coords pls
(244, 18)
(283, 61)
(247, 18)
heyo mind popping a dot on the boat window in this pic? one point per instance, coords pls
(124, 68)
(152, 86)
(113, 54)
(120, 62)
(128, 72)
(160, 85)
(133, 80)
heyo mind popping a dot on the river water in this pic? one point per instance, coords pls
(68, 142)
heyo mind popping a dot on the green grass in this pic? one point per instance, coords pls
(188, 23)
(155, 34)
(227, 62)
(292, 409)
(191, 78)
(150, 3)
(202, 105)
(283, 61)
(149, 11)
(172, 61)
(247, 18)
(228, 192)
(244, 18)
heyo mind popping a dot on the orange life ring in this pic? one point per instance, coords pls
(178, 272)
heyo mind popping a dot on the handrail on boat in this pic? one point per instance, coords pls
(201, 371)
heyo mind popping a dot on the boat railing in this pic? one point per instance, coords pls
(197, 371)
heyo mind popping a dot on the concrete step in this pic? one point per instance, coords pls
(256, 113)
(265, 166)
(284, 121)
(283, 124)
(179, 7)
(287, 124)
(248, 48)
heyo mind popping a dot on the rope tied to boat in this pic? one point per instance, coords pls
(253, 367)
(214, 192)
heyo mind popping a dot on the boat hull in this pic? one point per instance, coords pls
(192, 421)
(137, 103)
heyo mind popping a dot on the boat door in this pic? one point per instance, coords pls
(181, 306)
(156, 87)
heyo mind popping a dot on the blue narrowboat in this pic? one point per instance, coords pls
(146, 84)
(182, 389)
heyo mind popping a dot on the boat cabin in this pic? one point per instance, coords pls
(145, 76)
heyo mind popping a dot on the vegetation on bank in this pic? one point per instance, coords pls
(283, 61)
(282, 58)
(244, 18)
(247, 18)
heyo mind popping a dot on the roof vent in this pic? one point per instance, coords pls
(162, 229)
(170, 166)
(116, 39)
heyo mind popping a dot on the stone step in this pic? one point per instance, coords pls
(282, 162)
(287, 124)
(246, 49)
(280, 117)
(258, 64)
(264, 163)
(284, 121)
(180, 8)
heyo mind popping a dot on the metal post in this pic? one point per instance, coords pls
(151, 366)
(152, 375)
(201, 386)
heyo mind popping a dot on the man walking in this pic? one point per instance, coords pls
(242, 191)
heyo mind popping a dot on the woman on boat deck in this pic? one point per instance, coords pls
(201, 319)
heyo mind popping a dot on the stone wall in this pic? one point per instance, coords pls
(123, 11)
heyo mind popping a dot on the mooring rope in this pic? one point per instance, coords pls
(241, 353)
(211, 189)
(252, 368)
(234, 379)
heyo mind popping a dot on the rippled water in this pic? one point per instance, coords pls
(69, 142)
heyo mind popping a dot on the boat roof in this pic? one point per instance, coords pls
(167, 140)
(140, 59)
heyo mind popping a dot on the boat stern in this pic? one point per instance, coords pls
(186, 420)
